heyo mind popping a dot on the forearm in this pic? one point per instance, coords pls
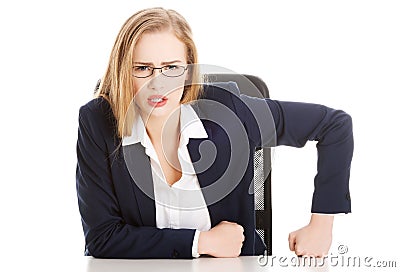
(129, 242)
(335, 152)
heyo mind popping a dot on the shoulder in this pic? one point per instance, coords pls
(97, 117)
(229, 95)
(97, 110)
(218, 93)
(215, 90)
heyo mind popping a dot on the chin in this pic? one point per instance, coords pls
(161, 112)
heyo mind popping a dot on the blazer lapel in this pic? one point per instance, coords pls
(198, 150)
(138, 164)
(202, 153)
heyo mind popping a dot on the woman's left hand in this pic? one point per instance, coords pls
(314, 239)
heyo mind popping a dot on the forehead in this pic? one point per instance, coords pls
(160, 46)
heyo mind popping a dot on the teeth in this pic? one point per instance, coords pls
(156, 100)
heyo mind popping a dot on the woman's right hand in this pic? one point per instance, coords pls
(223, 240)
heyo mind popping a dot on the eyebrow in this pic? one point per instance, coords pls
(162, 63)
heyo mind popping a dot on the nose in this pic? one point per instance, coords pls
(156, 80)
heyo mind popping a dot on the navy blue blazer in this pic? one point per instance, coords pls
(114, 183)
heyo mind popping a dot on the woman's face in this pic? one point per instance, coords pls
(158, 95)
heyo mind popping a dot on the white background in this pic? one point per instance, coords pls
(344, 54)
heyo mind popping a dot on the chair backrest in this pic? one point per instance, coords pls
(255, 86)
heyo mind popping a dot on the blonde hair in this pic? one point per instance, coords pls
(117, 84)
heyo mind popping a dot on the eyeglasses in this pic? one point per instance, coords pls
(142, 71)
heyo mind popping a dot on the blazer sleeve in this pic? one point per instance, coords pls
(107, 235)
(296, 123)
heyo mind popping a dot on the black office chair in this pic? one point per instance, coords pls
(255, 86)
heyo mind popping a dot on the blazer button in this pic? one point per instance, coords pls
(348, 196)
(175, 254)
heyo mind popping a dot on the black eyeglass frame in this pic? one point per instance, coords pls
(161, 69)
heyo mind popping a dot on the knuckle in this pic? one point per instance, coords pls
(299, 251)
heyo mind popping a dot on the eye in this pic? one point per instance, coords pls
(141, 68)
(171, 67)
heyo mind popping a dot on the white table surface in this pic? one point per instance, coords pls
(245, 264)
(249, 263)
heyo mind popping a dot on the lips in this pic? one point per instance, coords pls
(157, 100)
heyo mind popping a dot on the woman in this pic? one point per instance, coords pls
(154, 163)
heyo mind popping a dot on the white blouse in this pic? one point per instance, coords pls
(181, 205)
